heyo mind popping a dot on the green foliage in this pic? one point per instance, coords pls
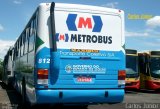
(1, 68)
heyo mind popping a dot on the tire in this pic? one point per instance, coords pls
(84, 107)
(24, 93)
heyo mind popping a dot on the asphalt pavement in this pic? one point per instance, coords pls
(144, 99)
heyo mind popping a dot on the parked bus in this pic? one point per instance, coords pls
(71, 53)
(149, 63)
(7, 76)
(132, 72)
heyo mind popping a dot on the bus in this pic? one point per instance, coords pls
(149, 63)
(7, 76)
(132, 70)
(71, 53)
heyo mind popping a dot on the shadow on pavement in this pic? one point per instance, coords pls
(57, 107)
(15, 101)
(142, 91)
(131, 91)
(150, 91)
(13, 96)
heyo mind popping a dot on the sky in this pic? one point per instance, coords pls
(142, 20)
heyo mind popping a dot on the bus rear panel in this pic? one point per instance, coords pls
(87, 58)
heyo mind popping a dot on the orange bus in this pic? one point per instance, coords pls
(149, 63)
(132, 73)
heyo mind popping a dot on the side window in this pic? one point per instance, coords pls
(12, 54)
(7, 58)
(26, 41)
(22, 44)
(31, 28)
(16, 52)
(31, 43)
(17, 49)
(32, 35)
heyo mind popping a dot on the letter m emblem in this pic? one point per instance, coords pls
(84, 23)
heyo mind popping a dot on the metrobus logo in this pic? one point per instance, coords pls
(62, 37)
(84, 23)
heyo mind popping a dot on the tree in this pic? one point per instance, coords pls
(1, 68)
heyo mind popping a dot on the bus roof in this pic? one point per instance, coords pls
(83, 7)
(131, 51)
(156, 52)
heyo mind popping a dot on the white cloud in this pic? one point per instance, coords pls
(17, 1)
(1, 28)
(151, 44)
(135, 34)
(150, 31)
(4, 45)
(153, 22)
(147, 38)
(110, 5)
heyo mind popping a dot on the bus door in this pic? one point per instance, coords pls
(144, 63)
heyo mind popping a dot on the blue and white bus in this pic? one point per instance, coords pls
(70, 53)
(8, 75)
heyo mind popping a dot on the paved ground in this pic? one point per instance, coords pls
(142, 97)
(10, 99)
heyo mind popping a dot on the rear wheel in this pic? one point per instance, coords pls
(83, 106)
(24, 93)
(76, 106)
(157, 91)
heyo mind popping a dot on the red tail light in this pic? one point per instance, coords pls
(121, 75)
(42, 76)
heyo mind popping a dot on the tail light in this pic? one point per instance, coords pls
(134, 83)
(42, 76)
(157, 83)
(121, 77)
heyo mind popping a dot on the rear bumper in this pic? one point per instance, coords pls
(79, 96)
(152, 85)
(133, 85)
